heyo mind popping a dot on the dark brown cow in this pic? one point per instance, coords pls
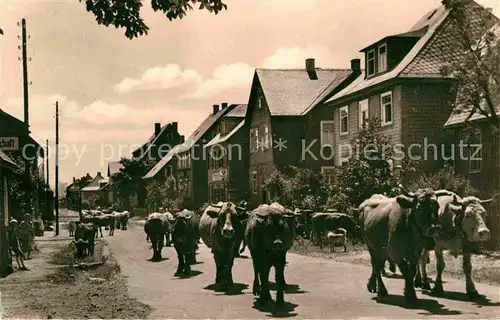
(396, 228)
(269, 236)
(85, 234)
(155, 229)
(463, 225)
(221, 230)
(185, 236)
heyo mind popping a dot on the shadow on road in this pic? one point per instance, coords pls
(235, 289)
(482, 300)
(160, 260)
(433, 307)
(242, 256)
(289, 288)
(392, 276)
(192, 274)
(274, 312)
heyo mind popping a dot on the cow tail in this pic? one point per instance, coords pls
(244, 246)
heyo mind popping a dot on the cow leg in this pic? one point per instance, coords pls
(180, 265)
(265, 293)
(100, 229)
(423, 269)
(408, 269)
(469, 283)
(440, 265)
(218, 276)
(279, 268)
(372, 281)
(379, 266)
(229, 266)
(256, 284)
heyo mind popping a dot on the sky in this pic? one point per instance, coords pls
(111, 90)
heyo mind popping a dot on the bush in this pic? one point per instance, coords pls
(445, 179)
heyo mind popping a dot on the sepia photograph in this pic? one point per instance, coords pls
(249, 159)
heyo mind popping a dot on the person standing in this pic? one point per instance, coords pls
(27, 235)
(15, 246)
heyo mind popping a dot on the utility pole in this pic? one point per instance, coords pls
(56, 183)
(25, 74)
(47, 164)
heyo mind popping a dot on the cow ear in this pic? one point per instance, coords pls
(406, 202)
(213, 212)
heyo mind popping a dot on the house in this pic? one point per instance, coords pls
(6, 165)
(73, 193)
(277, 116)
(156, 147)
(93, 194)
(228, 158)
(402, 85)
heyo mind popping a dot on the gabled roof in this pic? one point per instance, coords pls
(15, 122)
(114, 167)
(165, 160)
(5, 161)
(238, 112)
(423, 60)
(151, 140)
(203, 128)
(218, 139)
(289, 92)
(457, 119)
(94, 188)
(409, 34)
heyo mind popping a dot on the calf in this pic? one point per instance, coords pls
(396, 228)
(71, 228)
(324, 221)
(269, 237)
(85, 234)
(463, 225)
(221, 230)
(337, 237)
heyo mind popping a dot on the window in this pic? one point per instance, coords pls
(254, 182)
(259, 102)
(327, 134)
(475, 152)
(382, 58)
(386, 108)
(370, 62)
(328, 173)
(223, 126)
(344, 120)
(363, 112)
(257, 141)
(266, 136)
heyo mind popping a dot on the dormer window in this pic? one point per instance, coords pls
(382, 58)
(259, 103)
(370, 63)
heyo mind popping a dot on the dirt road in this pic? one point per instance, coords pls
(320, 288)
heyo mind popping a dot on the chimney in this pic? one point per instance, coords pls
(181, 139)
(175, 126)
(157, 128)
(311, 69)
(98, 173)
(356, 65)
(216, 108)
(74, 179)
(224, 105)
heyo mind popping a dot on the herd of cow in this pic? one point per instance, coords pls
(401, 230)
(86, 230)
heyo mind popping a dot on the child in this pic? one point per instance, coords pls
(26, 235)
(15, 246)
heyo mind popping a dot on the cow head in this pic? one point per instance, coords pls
(227, 217)
(180, 224)
(424, 209)
(469, 214)
(277, 226)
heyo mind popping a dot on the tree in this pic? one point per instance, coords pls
(368, 170)
(475, 66)
(162, 194)
(447, 179)
(126, 13)
(128, 180)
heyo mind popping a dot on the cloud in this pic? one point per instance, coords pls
(294, 57)
(236, 75)
(169, 76)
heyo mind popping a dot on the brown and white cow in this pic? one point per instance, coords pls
(395, 228)
(463, 225)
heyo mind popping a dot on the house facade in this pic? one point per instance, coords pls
(401, 85)
(277, 120)
(94, 191)
(228, 159)
(192, 161)
(7, 165)
(73, 193)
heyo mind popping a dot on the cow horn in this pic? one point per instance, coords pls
(487, 200)
(456, 201)
(215, 205)
(405, 192)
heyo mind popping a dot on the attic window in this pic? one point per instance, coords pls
(259, 103)
(370, 62)
(382, 58)
(432, 14)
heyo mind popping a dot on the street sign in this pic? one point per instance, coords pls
(9, 143)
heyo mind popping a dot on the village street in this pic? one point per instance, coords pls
(326, 289)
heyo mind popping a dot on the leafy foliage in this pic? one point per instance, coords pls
(368, 170)
(126, 13)
(162, 194)
(476, 65)
(297, 188)
(445, 179)
(129, 179)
